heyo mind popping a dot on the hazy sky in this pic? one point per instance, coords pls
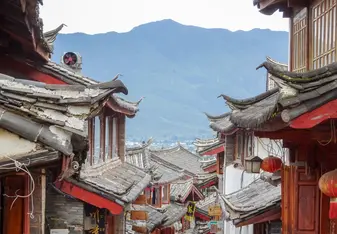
(101, 16)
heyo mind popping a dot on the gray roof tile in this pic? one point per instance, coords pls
(122, 180)
(48, 111)
(253, 199)
(181, 158)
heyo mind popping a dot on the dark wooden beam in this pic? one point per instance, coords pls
(296, 136)
(261, 218)
(298, 3)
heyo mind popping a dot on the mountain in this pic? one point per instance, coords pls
(179, 69)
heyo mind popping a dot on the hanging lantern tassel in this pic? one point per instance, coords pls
(333, 208)
(328, 186)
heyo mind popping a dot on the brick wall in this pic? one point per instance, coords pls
(63, 212)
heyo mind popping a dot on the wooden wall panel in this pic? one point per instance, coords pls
(299, 47)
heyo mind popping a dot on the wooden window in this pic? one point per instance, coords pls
(156, 196)
(240, 145)
(220, 162)
(300, 41)
(148, 195)
(165, 194)
(323, 33)
(103, 138)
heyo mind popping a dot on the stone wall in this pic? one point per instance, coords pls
(37, 204)
(63, 212)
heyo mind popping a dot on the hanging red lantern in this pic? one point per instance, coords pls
(271, 164)
(328, 185)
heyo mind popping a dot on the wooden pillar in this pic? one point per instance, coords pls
(121, 137)
(119, 224)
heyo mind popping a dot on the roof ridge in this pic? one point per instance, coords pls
(195, 155)
(141, 147)
(216, 117)
(276, 62)
(168, 149)
(240, 104)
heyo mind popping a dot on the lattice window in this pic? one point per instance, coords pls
(300, 40)
(324, 33)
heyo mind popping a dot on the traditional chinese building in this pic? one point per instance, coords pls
(301, 112)
(51, 111)
(257, 205)
(166, 214)
(235, 146)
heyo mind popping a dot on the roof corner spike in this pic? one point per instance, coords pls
(261, 65)
(117, 76)
(140, 100)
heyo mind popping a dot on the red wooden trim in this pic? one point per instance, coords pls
(315, 117)
(209, 184)
(89, 197)
(201, 216)
(210, 168)
(8, 64)
(26, 227)
(197, 192)
(264, 217)
(213, 151)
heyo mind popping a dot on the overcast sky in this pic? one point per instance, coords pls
(101, 16)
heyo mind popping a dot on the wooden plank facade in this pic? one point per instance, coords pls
(305, 208)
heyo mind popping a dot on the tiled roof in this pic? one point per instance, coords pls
(180, 190)
(160, 217)
(181, 158)
(204, 143)
(50, 113)
(161, 172)
(221, 123)
(122, 181)
(254, 199)
(205, 203)
(295, 95)
(174, 212)
(139, 156)
(204, 179)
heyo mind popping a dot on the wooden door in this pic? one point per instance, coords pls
(306, 200)
(14, 212)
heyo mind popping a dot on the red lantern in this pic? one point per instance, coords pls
(271, 164)
(328, 185)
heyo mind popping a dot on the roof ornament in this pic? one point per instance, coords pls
(50, 36)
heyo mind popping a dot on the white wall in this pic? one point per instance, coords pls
(236, 178)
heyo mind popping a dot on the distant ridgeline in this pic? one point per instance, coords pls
(180, 70)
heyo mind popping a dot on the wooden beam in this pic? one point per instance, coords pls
(315, 117)
(298, 3)
(294, 135)
(8, 64)
(270, 215)
(89, 197)
(213, 151)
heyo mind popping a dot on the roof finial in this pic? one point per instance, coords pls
(117, 76)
